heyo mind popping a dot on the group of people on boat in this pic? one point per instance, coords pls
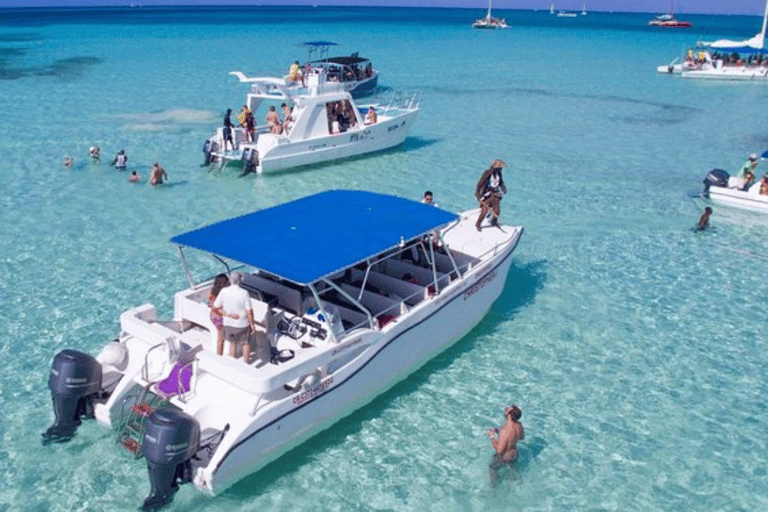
(341, 117)
(747, 177)
(701, 56)
(335, 73)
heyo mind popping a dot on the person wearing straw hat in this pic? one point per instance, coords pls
(489, 191)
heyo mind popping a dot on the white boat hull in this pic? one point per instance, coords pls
(739, 199)
(368, 139)
(397, 354)
(728, 73)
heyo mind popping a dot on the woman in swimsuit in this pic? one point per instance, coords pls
(217, 320)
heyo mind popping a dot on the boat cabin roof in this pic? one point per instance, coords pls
(320, 235)
(341, 61)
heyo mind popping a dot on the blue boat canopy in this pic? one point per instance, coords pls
(318, 43)
(319, 235)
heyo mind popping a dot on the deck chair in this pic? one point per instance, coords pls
(180, 378)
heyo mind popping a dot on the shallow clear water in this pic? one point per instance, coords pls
(634, 347)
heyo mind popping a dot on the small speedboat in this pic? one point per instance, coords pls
(351, 291)
(722, 188)
(325, 124)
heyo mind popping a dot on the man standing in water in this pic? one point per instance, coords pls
(504, 441)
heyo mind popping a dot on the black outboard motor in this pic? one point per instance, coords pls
(208, 148)
(250, 160)
(171, 438)
(715, 178)
(75, 380)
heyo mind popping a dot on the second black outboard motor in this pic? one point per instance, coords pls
(208, 148)
(715, 178)
(75, 380)
(171, 438)
(250, 160)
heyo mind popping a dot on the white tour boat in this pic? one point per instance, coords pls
(722, 188)
(724, 59)
(351, 292)
(668, 20)
(326, 124)
(489, 21)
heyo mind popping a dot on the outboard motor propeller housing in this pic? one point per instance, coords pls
(208, 148)
(74, 381)
(171, 438)
(715, 178)
(250, 160)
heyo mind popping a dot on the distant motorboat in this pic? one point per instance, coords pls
(489, 22)
(566, 14)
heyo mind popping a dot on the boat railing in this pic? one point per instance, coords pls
(399, 101)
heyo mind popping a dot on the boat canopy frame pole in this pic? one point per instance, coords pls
(187, 272)
(450, 257)
(346, 296)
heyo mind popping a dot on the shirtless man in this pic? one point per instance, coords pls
(157, 174)
(504, 441)
(273, 120)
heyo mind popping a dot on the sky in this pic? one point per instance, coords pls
(754, 7)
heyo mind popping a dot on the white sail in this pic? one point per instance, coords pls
(756, 42)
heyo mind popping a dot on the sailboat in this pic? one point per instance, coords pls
(584, 10)
(552, 9)
(725, 59)
(489, 21)
(668, 20)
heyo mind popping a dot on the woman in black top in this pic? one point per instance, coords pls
(228, 126)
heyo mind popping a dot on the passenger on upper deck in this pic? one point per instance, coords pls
(234, 305)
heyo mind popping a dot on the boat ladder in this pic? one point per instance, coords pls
(131, 432)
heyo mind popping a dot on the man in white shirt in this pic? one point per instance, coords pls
(234, 305)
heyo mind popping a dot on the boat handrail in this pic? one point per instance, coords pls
(145, 368)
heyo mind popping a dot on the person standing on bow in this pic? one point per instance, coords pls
(489, 191)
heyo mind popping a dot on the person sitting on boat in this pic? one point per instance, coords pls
(287, 118)
(764, 185)
(747, 173)
(370, 117)
(489, 191)
(273, 120)
(234, 305)
(294, 73)
(121, 160)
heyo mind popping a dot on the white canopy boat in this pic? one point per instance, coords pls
(722, 188)
(326, 125)
(351, 290)
(725, 59)
(489, 22)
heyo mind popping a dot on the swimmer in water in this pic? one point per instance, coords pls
(68, 161)
(704, 219)
(121, 160)
(134, 177)
(504, 441)
(95, 152)
(157, 174)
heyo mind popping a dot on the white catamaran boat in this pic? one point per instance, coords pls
(326, 124)
(351, 292)
(489, 21)
(724, 59)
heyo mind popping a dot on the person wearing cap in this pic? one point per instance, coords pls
(489, 191)
(747, 173)
(504, 440)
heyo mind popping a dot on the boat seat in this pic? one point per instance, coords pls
(180, 378)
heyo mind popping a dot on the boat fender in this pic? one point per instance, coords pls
(171, 439)
(74, 381)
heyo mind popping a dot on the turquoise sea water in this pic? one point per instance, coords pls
(635, 348)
